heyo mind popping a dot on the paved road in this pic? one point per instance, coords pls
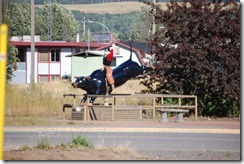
(153, 143)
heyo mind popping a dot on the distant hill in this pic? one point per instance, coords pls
(70, 2)
(110, 8)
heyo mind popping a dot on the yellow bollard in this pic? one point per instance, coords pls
(3, 59)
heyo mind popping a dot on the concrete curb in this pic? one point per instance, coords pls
(120, 129)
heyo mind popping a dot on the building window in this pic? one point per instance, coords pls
(20, 63)
(55, 55)
(43, 79)
(77, 50)
(43, 55)
(21, 55)
(55, 77)
(48, 78)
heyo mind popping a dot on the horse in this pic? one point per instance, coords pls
(95, 84)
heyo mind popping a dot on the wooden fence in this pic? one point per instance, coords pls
(143, 102)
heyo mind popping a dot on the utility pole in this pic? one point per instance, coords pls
(84, 28)
(103, 15)
(88, 39)
(153, 30)
(32, 41)
(154, 13)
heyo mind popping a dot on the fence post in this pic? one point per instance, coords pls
(113, 100)
(154, 108)
(179, 101)
(196, 108)
(74, 99)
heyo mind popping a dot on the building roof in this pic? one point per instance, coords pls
(57, 44)
(142, 46)
(88, 52)
(94, 53)
(120, 44)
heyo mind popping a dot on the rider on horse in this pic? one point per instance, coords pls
(107, 59)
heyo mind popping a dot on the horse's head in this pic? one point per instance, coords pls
(80, 82)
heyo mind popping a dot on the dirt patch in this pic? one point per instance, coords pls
(91, 154)
(73, 154)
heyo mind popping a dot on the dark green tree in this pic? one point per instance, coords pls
(11, 53)
(18, 18)
(142, 28)
(197, 51)
(61, 22)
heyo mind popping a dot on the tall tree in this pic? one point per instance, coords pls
(198, 52)
(63, 24)
(142, 28)
(59, 21)
(17, 16)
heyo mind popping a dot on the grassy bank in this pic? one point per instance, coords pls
(46, 100)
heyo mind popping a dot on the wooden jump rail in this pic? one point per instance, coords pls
(154, 106)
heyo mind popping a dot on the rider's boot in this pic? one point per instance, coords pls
(111, 88)
(107, 90)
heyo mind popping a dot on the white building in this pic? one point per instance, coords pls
(50, 60)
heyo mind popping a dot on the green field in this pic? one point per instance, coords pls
(111, 8)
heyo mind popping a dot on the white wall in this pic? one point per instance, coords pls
(55, 68)
(125, 56)
(43, 68)
(28, 69)
(62, 68)
(65, 61)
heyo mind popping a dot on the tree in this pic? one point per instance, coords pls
(63, 25)
(12, 51)
(142, 30)
(198, 52)
(17, 16)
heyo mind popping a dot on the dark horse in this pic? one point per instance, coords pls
(96, 83)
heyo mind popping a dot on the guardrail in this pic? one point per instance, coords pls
(158, 101)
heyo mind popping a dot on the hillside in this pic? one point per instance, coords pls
(111, 8)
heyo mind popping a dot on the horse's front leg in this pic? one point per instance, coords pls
(83, 100)
(92, 100)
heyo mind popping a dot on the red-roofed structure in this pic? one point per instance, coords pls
(51, 62)
(84, 45)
